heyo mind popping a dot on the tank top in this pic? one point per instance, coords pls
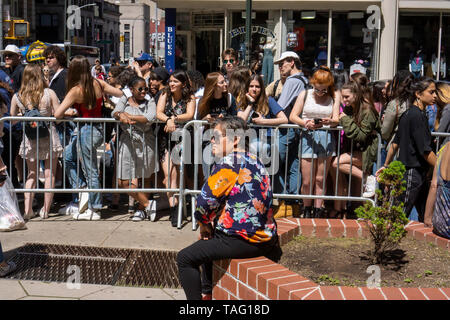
(313, 110)
(96, 112)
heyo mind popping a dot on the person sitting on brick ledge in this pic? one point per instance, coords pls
(237, 198)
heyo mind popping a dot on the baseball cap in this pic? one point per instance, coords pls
(287, 54)
(144, 57)
(162, 73)
(11, 48)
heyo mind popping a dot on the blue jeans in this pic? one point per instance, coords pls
(87, 141)
(289, 162)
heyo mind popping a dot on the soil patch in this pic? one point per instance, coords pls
(344, 262)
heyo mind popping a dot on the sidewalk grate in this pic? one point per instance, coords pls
(106, 266)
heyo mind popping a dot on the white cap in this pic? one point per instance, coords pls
(11, 48)
(287, 54)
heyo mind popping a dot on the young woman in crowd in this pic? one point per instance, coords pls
(260, 110)
(237, 82)
(360, 123)
(399, 93)
(442, 123)
(136, 156)
(314, 109)
(416, 151)
(176, 106)
(35, 94)
(85, 94)
(437, 212)
(378, 92)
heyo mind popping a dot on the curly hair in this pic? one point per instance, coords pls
(58, 53)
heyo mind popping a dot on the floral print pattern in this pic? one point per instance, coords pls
(239, 193)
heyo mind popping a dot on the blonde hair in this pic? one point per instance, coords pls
(32, 90)
(443, 98)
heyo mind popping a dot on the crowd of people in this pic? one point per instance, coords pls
(152, 104)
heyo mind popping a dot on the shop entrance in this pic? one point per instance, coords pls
(208, 50)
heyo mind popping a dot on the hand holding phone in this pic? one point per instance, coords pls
(317, 121)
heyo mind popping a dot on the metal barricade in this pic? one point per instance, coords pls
(197, 125)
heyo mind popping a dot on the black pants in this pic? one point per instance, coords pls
(221, 246)
(417, 187)
(16, 139)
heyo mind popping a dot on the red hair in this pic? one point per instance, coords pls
(323, 76)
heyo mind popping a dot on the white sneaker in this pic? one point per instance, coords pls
(151, 210)
(139, 215)
(369, 188)
(43, 214)
(87, 215)
(69, 210)
(83, 200)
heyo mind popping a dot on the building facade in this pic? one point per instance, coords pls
(381, 36)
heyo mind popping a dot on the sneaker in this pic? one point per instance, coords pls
(83, 202)
(89, 214)
(151, 210)
(43, 214)
(5, 270)
(369, 188)
(69, 210)
(139, 215)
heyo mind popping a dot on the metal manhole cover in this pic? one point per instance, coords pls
(108, 266)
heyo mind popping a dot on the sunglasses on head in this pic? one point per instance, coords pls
(321, 91)
(324, 69)
(230, 61)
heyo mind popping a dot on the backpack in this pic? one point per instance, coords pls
(306, 85)
(34, 129)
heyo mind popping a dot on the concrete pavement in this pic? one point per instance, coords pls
(115, 230)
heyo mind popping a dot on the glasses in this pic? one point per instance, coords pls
(9, 55)
(213, 138)
(320, 91)
(142, 89)
(230, 61)
(50, 57)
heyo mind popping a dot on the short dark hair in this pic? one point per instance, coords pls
(230, 122)
(231, 52)
(196, 78)
(297, 62)
(58, 53)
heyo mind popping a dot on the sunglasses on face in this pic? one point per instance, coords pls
(230, 61)
(9, 55)
(321, 91)
(142, 89)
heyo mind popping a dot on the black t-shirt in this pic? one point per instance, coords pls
(220, 106)
(16, 76)
(59, 85)
(414, 138)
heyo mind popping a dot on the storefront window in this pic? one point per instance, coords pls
(445, 50)
(311, 40)
(418, 38)
(259, 34)
(353, 45)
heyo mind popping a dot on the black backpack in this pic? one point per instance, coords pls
(34, 129)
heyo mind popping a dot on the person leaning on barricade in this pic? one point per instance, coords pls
(215, 102)
(361, 125)
(237, 198)
(414, 140)
(136, 155)
(314, 109)
(85, 94)
(176, 106)
(259, 109)
(35, 95)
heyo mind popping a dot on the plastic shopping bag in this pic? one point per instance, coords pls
(10, 217)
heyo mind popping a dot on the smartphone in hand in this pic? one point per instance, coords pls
(317, 121)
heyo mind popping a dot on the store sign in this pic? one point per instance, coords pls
(374, 21)
(255, 29)
(170, 39)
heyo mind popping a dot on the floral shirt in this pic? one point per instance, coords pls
(239, 191)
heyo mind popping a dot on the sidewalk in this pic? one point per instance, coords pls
(115, 231)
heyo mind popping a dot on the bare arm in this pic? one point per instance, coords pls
(243, 114)
(390, 155)
(109, 89)
(429, 209)
(280, 119)
(334, 120)
(298, 109)
(190, 110)
(160, 115)
(68, 101)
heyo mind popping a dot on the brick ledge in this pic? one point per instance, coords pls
(261, 279)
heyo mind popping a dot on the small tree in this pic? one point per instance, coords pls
(386, 221)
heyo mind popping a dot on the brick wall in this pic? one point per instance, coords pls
(262, 279)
